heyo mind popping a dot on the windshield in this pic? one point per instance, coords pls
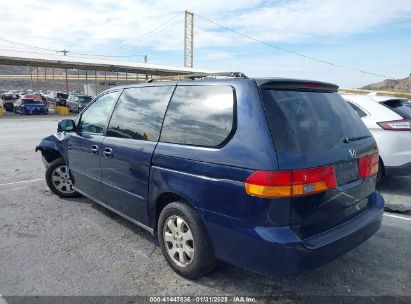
(302, 122)
(84, 99)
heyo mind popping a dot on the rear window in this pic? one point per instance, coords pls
(302, 122)
(84, 99)
(199, 116)
(62, 95)
(401, 107)
(360, 112)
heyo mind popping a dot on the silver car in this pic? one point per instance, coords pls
(77, 102)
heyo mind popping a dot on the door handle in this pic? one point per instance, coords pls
(94, 149)
(108, 152)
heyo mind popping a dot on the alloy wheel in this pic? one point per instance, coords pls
(178, 241)
(61, 179)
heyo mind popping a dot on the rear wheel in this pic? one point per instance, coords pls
(58, 179)
(184, 241)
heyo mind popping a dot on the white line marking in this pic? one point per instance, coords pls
(2, 300)
(21, 182)
(397, 216)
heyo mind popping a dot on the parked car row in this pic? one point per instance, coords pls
(389, 121)
(36, 103)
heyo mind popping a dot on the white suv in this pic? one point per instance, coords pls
(389, 121)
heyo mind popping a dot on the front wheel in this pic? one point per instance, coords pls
(58, 179)
(184, 241)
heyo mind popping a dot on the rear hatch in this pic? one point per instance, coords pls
(313, 127)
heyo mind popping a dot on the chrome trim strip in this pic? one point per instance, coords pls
(151, 230)
(122, 190)
(86, 175)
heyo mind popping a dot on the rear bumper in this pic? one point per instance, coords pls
(278, 251)
(398, 170)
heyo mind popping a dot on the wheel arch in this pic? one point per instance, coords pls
(49, 154)
(166, 198)
(51, 149)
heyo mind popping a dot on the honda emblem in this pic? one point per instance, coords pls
(352, 153)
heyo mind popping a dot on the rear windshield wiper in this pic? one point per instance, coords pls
(354, 138)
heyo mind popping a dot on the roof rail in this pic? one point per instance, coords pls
(194, 76)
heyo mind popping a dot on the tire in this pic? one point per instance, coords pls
(58, 179)
(190, 236)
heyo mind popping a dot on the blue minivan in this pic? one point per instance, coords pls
(275, 176)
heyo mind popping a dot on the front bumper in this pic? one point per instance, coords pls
(278, 251)
(35, 110)
(398, 170)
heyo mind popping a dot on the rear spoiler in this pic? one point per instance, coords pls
(299, 85)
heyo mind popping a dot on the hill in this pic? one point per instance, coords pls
(394, 85)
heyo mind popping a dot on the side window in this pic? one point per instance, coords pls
(95, 118)
(199, 115)
(360, 112)
(139, 113)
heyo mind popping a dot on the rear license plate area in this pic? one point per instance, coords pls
(346, 172)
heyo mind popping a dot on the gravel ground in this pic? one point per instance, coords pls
(53, 246)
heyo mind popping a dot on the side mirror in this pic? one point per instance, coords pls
(66, 125)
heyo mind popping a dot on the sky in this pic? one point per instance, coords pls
(368, 35)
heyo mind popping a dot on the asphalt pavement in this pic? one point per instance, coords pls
(54, 246)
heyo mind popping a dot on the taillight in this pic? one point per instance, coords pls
(271, 184)
(368, 165)
(396, 125)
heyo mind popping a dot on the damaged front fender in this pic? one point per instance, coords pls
(54, 146)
